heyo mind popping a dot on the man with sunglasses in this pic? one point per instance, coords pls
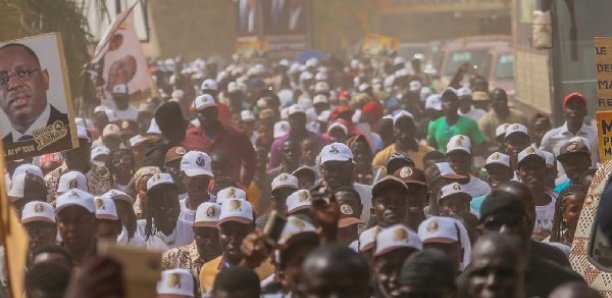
(23, 98)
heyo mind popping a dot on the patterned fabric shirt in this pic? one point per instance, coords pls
(98, 180)
(185, 257)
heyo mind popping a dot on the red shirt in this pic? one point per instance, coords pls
(233, 142)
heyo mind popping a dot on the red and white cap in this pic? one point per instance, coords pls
(395, 237)
(285, 180)
(179, 282)
(203, 102)
(209, 84)
(438, 229)
(459, 143)
(75, 197)
(70, 180)
(231, 193)
(298, 200)
(367, 238)
(498, 158)
(159, 179)
(452, 189)
(207, 215)
(38, 211)
(106, 209)
(295, 226)
(115, 194)
(196, 163)
(236, 210)
(335, 152)
(516, 128)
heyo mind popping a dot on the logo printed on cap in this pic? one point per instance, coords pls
(303, 196)
(125, 124)
(211, 211)
(174, 281)
(180, 150)
(346, 209)
(235, 206)
(530, 150)
(405, 172)
(459, 141)
(283, 177)
(200, 161)
(73, 195)
(156, 178)
(456, 187)
(334, 150)
(433, 226)
(231, 193)
(495, 156)
(571, 147)
(100, 204)
(39, 208)
(400, 234)
(515, 126)
(298, 224)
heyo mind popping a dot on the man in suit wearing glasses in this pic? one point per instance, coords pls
(23, 98)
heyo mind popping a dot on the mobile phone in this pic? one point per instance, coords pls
(274, 227)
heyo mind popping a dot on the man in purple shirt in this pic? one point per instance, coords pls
(297, 121)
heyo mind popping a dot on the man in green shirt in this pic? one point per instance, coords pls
(451, 124)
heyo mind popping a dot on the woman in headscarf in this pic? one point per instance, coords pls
(138, 188)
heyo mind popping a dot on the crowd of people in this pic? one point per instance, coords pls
(315, 178)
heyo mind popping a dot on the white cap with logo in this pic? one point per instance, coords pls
(75, 197)
(120, 89)
(295, 109)
(500, 131)
(295, 226)
(367, 238)
(438, 229)
(298, 200)
(395, 237)
(70, 180)
(530, 152)
(38, 211)
(98, 151)
(236, 210)
(203, 102)
(106, 209)
(209, 84)
(516, 128)
(498, 158)
(117, 195)
(159, 179)
(335, 152)
(17, 185)
(452, 189)
(459, 143)
(231, 193)
(402, 114)
(196, 163)
(178, 282)
(207, 215)
(285, 180)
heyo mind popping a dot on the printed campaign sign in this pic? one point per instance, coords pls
(604, 132)
(603, 67)
(35, 98)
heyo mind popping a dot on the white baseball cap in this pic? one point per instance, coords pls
(434, 102)
(438, 229)
(281, 128)
(178, 94)
(136, 140)
(159, 179)
(207, 215)
(28, 169)
(298, 200)
(247, 115)
(120, 89)
(415, 86)
(295, 109)
(367, 238)
(320, 98)
(17, 185)
(402, 114)
(70, 180)
(196, 163)
(530, 152)
(234, 87)
(395, 237)
(321, 86)
(464, 91)
(459, 143)
(111, 130)
(37, 211)
(285, 180)
(501, 130)
(452, 189)
(399, 60)
(176, 282)
(516, 128)
(203, 102)
(550, 159)
(338, 125)
(312, 62)
(295, 226)
(231, 193)
(335, 152)
(209, 84)
(153, 128)
(106, 209)
(82, 133)
(236, 210)
(306, 75)
(115, 194)
(446, 171)
(75, 197)
(498, 158)
(99, 150)
(100, 109)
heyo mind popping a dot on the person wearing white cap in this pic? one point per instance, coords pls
(247, 123)
(404, 131)
(108, 224)
(393, 245)
(516, 140)
(100, 154)
(177, 283)
(230, 193)
(99, 178)
(38, 219)
(532, 172)
(459, 156)
(75, 214)
(299, 202)
(120, 103)
(500, 113)
(453, 200)
(236, 221)
(337, 132)
(111, 137)
(125, 211)
(213, 135)
(204, 248)
(500, 136)
(498, 171)
(389, 201)
(466, 108)
(70, 180)
(451, 124)
(163, 229)
(25, 185)
(196, 173)
(282, 187)
(297, 122)
(449, 236)
(337, 168)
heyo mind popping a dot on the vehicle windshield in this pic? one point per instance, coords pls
(504, 68)
(457, 58)
(408, 52)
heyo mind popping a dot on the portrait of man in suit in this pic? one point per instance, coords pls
(24, 83)
(284, 16)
